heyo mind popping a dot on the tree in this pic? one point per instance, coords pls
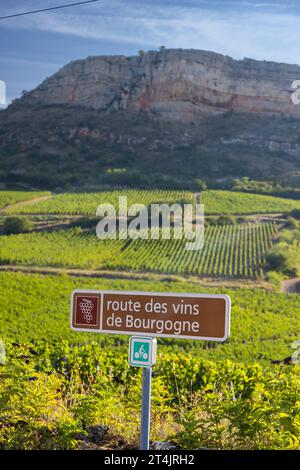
(202, 185)
(141, 52)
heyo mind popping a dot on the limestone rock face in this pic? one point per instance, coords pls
(174, 84)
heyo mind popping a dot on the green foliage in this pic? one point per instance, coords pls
(229, 250)
(295, 213)
(49, 400)
(14, 225)
(275, 278)
(12, 197)
(202, 185)
(87, 203)
(253, 186)
(265, 187)
(52, 389)
(226, 220)
(175, 154)
(247, 408)
(32, 412)
(230, 202)
(263, 326)
(284, 257)
(293, 223)
(66, 248)
(216, 202)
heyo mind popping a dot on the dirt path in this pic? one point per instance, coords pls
(291, 285)
(146, 276)
(24, 203)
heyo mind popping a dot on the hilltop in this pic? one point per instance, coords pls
(166, 118)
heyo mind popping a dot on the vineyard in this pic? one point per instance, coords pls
(57, 385)
(87, 203)
(12, 197)
(229, 202)
(230, 250)
(215, 201)
(37, 307)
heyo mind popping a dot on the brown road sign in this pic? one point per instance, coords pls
(190, 316)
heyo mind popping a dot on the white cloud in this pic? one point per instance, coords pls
(272, 34)
(28, 62)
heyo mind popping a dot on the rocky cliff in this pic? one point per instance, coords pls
(92, 123)
(175, 84)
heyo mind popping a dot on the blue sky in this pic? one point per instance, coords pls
(34, 47)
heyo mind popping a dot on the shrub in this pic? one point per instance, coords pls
(246, 409)
(226, 219)
(14, 225)
(274, 278)
(50, 400)
(201, 183)
(284, 257)
(293, 223)
(32, 412)
(280, 260)
(295, 213)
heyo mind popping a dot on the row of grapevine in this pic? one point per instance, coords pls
(215, 201)
(231, 202)
(263, 327)
(67, 248)
(87, 203)
(12, 197)
(229, 251)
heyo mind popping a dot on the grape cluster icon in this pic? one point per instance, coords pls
(86, 307)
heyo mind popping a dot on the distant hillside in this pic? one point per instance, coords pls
(167, 119)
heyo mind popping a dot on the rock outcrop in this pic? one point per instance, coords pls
(98, 123)
(174, 84)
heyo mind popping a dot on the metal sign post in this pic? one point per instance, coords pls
(146, 408)
(142, 353)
